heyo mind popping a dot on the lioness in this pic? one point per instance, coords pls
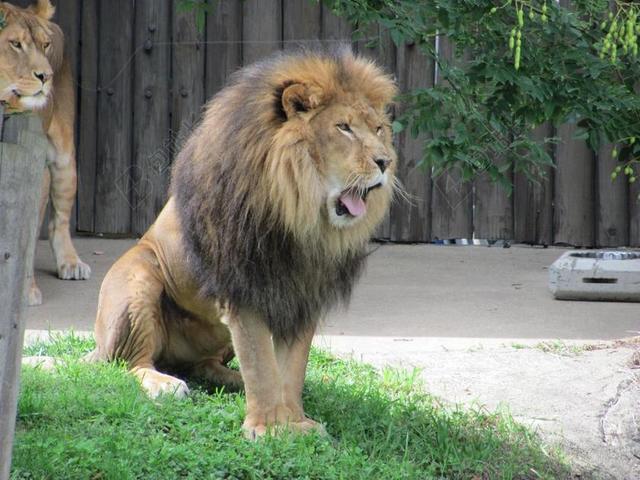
(273, 200)
(36, 75)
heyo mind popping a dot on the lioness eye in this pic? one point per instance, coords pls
(47, 45)
(344, 127)
(15, 44)
(379, 131)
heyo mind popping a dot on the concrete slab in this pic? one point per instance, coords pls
(407, 291)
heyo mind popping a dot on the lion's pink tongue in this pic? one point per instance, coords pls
(354, 203)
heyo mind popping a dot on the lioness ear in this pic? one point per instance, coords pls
(43, 9)
(298, 98)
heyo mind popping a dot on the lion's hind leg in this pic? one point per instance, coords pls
(130, 321)
(215, 371)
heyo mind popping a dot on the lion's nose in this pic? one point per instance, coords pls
(382, 163)
(42, 76)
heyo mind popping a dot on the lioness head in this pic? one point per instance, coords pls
(30, 53)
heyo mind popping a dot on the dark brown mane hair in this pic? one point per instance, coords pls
(235, 177)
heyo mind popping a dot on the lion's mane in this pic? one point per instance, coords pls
(247, 191)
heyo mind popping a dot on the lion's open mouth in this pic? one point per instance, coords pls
(352, 202)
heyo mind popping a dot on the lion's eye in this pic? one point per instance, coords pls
(344, 127)
(46, 45)
(379, 131)
(15, 44)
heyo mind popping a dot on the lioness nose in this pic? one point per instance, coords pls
(42, 76)
(382, 163)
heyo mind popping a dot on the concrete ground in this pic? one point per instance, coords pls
(481, 326)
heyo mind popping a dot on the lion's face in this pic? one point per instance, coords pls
(357, 160)
(25, 71)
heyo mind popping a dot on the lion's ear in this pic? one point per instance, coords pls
(43, 9)
(297, 98)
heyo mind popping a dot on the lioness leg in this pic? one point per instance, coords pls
(34, 296)
(63, 192)
(266, 407)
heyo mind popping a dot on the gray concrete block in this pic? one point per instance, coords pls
(596, 275)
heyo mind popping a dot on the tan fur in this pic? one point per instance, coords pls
(37, 53)
(156, 310)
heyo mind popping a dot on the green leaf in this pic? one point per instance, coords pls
(397, 126)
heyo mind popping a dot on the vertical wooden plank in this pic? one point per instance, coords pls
(634, 215)
(301, 23)
(634, 203)
(88, 115)
(224, 47)
(574, 190)
(493, 208)
(113, 172)
(410, 219)
(188, 62)
(452, 198)
(261, 29)
(335, 30)
(574, 215)
(533, 200)
(612, 202)
(151, 119)
(68, 18)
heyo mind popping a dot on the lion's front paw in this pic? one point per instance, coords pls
(74, 270)
(277, 420)
(156, 384)
(34, 297)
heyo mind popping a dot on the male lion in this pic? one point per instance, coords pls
(36, 75)
(273, 200)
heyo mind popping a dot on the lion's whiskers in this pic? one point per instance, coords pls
(399, 190)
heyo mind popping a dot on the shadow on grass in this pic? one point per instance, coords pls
(93, 421)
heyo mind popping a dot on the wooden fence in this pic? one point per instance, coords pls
(144, 71)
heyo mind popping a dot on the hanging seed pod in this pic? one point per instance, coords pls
(614, 152)
(614, 175)
(520, 18)
(516, 59)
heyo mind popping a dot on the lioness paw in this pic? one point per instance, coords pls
(34, 297)
(156, 384)
(74, 270)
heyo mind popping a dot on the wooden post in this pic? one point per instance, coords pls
(22, 163)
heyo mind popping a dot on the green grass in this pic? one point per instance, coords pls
(92, 421)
